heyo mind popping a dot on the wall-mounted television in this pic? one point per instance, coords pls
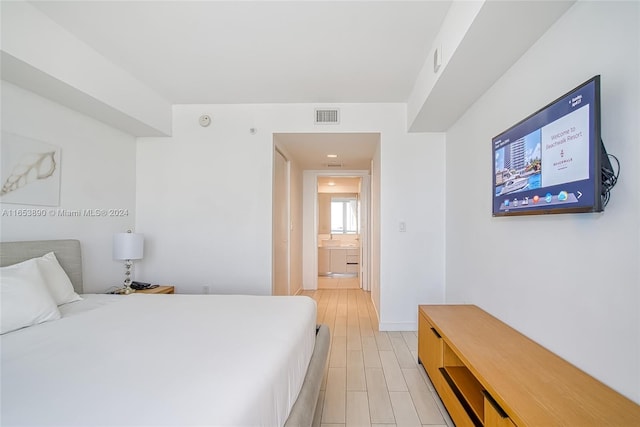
(553, 161)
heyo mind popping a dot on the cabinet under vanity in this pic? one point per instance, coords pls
(333, 260)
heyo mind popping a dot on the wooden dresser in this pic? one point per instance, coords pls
(489, 374)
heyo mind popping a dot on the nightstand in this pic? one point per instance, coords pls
(158, 290)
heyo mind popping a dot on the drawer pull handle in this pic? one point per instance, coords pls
(435, 333)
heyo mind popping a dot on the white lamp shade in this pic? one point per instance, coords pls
(128, 246)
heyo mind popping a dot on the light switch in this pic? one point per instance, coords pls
(403, 226)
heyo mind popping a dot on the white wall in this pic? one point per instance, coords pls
(204, 201)
(374, 268)
(309, 227)
(295, 283)
(97, 172)
(570, 282)
(412, 262)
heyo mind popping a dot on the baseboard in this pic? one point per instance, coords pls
(375, 309)
(398, 326)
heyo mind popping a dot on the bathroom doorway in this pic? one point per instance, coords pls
(339, 232)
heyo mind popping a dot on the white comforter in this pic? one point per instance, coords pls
(147, 360)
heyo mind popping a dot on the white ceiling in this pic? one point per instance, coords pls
(304, 51)
(354, 150)
(331, 184)
(218, 52)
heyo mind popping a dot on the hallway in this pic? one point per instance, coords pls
(339, 281)
(373, 378)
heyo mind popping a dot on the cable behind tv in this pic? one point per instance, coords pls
(609, 177)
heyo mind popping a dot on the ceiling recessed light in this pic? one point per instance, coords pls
(332, 156)
(331, 183)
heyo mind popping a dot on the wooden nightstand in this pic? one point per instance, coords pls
(158, 290)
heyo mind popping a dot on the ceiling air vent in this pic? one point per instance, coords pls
(327, 116)
(334, 165)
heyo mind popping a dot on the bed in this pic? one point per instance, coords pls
(161, 359)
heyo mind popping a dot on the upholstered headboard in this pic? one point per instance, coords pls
(67, 252)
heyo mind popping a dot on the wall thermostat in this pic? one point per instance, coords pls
(205, 120)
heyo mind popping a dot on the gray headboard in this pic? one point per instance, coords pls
(67, 252)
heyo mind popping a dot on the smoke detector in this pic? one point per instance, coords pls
(204, 120)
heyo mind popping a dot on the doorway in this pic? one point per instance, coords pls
(339, 232)
(310, 156)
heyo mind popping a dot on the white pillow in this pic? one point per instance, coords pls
(25, 299)
(56, 279)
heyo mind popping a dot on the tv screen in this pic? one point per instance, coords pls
(550, 162)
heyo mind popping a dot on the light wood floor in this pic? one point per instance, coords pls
(373, 378)
(338, 282)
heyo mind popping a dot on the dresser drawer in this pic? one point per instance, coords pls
(494, 416)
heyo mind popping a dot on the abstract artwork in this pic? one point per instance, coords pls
(29, 171)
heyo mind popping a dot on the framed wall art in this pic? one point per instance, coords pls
(29, 171)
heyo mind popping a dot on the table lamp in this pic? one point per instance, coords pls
(128, 246)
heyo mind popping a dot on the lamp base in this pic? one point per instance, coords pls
(125, 290)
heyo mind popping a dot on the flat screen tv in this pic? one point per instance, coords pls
(552, 161)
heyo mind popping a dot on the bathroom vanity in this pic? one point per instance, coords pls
(338, 259)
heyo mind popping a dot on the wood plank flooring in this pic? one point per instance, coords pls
(338, 282)
(373, 378)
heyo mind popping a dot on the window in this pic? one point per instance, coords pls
(344, 215)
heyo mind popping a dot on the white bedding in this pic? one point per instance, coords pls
(143, 360)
